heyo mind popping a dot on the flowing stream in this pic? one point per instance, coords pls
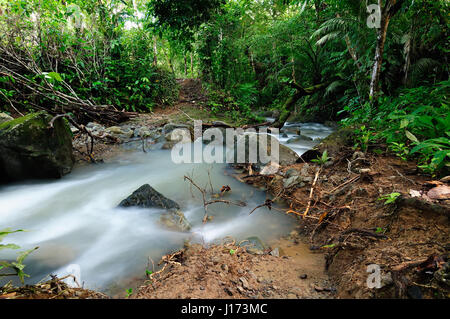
(79, 229)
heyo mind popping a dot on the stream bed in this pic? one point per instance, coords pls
(79, 229)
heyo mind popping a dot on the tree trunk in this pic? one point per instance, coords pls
(155, 52)
(389, 10)
(192, 65)
(381, 40)
(289, 105)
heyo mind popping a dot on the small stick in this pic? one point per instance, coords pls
(311, 193)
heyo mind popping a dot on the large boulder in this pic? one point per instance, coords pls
(31, 149)
(333, 144)
(254, 143)
(147, 197)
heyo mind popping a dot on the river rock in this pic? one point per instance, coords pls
(119, 132)
(298, 139)
(291, 172)
(147, 197)
(332, 144)
(293, 181)
(5, 118)
(172, 126)
(177, 136)
(270, 169)
(29, 149)
(292, 129)
(286, 155)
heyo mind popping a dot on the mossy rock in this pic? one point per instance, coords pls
(30, 149)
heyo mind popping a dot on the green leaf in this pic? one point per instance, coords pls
(53, 76)
(9, 246)
(411, 136)
(404, 123)
(7, 231)
(24, 255)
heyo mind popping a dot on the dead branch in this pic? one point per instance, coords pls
(208, 202)
(268, 203)
(312, 192)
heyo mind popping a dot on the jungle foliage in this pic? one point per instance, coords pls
(321, 60)
(309, 60)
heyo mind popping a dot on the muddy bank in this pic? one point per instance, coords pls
(350, 218)
(286, 270)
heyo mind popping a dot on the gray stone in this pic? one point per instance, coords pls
(292, 181)
(299, 139)
(244, 283)
(147, 197)
(305, 170)
(275, 252)
(291, 172)
(172, 126)
(254, 143)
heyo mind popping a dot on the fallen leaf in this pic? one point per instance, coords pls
(322, 217)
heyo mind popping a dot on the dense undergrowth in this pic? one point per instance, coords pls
(310, 60)
(415, 126)
(53, 53)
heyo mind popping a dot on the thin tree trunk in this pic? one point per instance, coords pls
(192, 65)
(376, 70)
(389, 10)
(155, 52)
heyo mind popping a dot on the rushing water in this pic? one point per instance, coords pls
(77, 225)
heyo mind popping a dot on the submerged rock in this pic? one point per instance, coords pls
(30, 149)
(292, 129)
(299, 139)
(147, 197)
(253, 245)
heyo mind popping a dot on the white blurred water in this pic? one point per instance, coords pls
(75, 220)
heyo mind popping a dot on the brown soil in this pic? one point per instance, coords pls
(356, 229)
(213, 272)
(346, 229)
(348, 223)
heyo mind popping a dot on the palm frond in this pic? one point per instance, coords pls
(423, 67)
(333, 87)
